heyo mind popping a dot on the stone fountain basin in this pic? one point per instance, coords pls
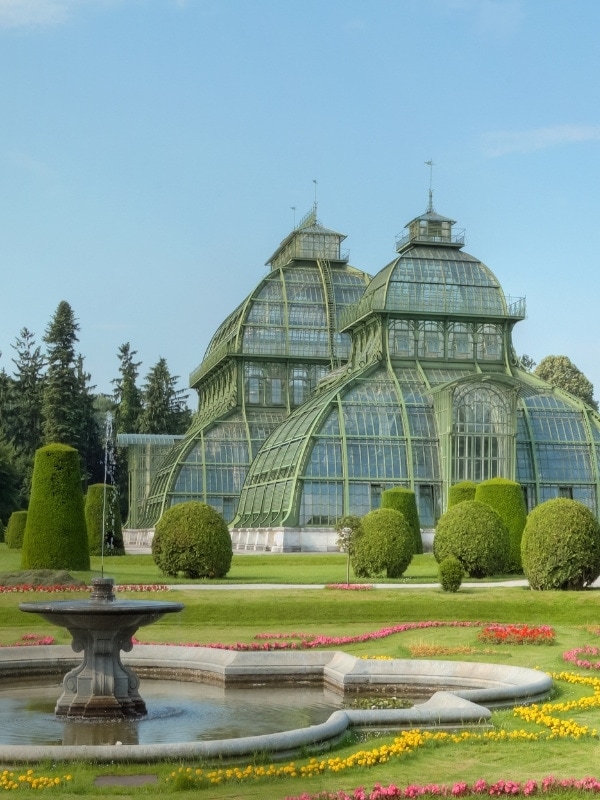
(464, 694)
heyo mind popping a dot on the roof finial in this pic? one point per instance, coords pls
(293, 208)
(430, 164)
(315, 202)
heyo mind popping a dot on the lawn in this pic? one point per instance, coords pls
(213, 615)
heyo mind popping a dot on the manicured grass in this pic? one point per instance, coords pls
(213, 615)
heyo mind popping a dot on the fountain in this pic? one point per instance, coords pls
(101, 686)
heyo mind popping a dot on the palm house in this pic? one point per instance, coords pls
(325, 387)
(264, 361)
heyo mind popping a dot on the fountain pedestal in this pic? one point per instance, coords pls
(101, 686)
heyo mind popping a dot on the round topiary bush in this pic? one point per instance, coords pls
(473, 533)
(404, 501)
(506, 498)
(15, 530)
(55, 533)
(560, 548)
(385, 546)
(192, 539)
(465, 490)
(451, 573)
(102, 515)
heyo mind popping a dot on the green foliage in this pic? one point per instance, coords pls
(102, 513)
(15, 530)
(473, 533)
(385, 546)
(506, 498)
(560, 371)
(459, 492)
(355, 524)
(55, 533)
(127, 396)
(10, 481)
(192, 538)
(2, 531)
(404, 501)
(451, 573)
(561, 545)
(165, 409)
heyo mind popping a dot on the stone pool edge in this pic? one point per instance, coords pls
(487, 686)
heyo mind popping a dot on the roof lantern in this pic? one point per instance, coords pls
(309, 240)
(430, 228)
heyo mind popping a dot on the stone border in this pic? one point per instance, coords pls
(488, 685)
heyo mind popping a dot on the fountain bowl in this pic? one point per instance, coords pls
(464, 693)
(101, 686)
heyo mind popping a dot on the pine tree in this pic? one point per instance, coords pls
(127, 395)
(62, 407)
(165, 409)
(26, 412)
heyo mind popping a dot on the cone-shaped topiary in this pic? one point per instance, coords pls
(102, 514)
(561, 545)
(16, 530)
(506, 498)
(404, 501)
(385, 546)
(473, 533)
(55, 533)
(459, 492)
(192, 538)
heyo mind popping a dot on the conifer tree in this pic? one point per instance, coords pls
(61, 404)
(165, 409)
(127, 395)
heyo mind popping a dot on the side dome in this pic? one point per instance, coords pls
(264, 361)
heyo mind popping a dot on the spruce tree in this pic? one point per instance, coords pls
(62, 407)
(165, 409)
(127, 395)
(26, 411)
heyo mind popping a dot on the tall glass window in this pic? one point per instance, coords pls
(481, 440)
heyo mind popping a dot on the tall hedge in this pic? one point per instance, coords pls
(561, 545)
(102, 515)
(15, 530)
(459, 492)
(404, 501)
(55, 533)
(473, 533)
(506, 498)
(385, 545)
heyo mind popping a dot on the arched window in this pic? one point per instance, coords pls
(481, 433)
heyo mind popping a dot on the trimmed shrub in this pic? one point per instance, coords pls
(506, 498)
(55, 533)
(560, 548)
(451, 573)
(385, 546)
(16, 530)
(465, 490)
(102, 513)
(404, 501)
(193, 539)
(473, 533)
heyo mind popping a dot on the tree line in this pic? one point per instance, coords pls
(48, 398)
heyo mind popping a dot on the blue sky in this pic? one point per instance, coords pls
(151, 152)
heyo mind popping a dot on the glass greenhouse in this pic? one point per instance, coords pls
(324, 388)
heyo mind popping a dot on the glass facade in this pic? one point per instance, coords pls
(325, 387)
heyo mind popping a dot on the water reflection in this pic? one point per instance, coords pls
(177, 712)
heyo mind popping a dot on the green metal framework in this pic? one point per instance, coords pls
(433, 395)
(265, 360)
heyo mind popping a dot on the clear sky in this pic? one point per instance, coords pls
(152, 151)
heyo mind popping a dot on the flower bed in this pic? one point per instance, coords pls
(352, 587)
(24, 588)
(549, 785)
(574, 657)
(517, 634)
